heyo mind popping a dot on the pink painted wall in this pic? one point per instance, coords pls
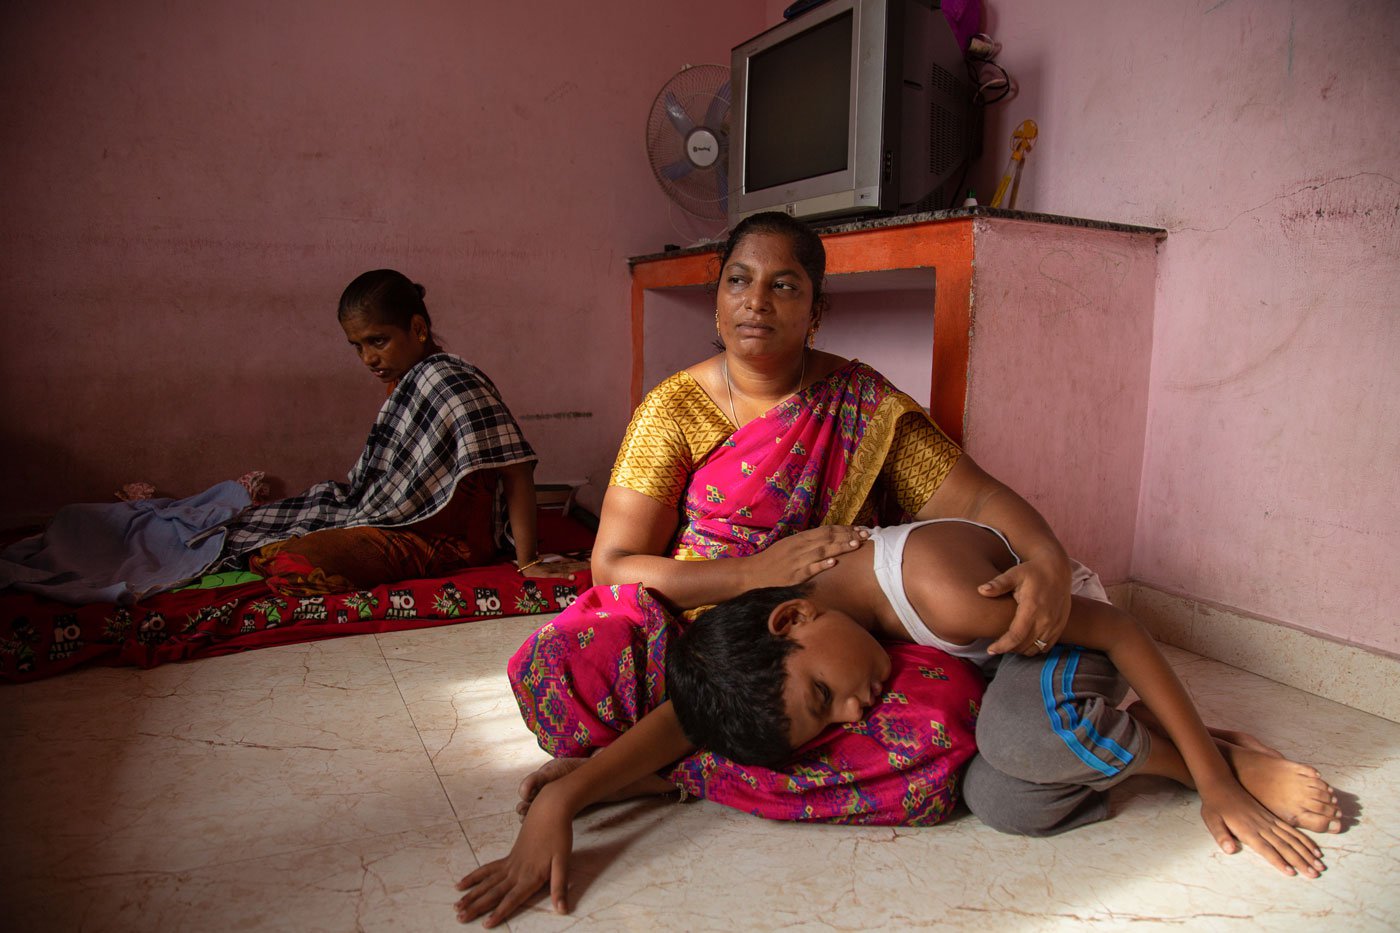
(189, 187)
(884, 319)
(1261, 134)
(1058, 377)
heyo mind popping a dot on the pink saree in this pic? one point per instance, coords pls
(594, 671)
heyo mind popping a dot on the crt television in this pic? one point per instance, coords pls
(854, 107)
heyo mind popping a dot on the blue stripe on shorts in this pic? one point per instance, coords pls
(1083, 748)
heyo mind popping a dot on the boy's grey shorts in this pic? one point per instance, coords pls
(1051, 741)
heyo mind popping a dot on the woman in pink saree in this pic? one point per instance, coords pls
(590, 675)
(757, 467)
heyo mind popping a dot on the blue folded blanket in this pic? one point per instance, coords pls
(122, 551)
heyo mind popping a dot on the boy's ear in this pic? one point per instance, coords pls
(786, 615)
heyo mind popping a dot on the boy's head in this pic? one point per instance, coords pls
(764, 673)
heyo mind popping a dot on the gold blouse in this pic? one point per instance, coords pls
(678, 425)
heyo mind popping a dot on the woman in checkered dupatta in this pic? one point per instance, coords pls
(445, 481)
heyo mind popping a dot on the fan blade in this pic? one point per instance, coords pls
(722, 181)
(677, 170)
(679, 118)
(715, 114)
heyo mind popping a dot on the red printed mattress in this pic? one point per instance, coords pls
(41, 637)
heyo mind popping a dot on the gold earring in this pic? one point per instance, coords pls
(716, 320)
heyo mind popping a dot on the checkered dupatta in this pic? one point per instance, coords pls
(444, 420)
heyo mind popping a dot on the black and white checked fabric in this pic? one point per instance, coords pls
(444, 420)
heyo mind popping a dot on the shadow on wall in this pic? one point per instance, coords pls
(36, 462)
(42, 462)
(1001, 118)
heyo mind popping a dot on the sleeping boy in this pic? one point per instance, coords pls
(757, 677)
(1050, 737)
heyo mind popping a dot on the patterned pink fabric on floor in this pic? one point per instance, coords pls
(898, 766)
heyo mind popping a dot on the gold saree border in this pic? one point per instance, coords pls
(871, 455)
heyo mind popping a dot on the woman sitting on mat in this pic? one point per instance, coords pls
(724, 477)
(446, 479)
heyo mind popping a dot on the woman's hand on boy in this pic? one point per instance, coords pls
(1041, 588)
(540, 856)
(799, 557)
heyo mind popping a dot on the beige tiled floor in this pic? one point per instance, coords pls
(344, 785)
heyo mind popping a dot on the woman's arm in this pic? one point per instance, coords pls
(635, 531)
(1040, 583)
(519, 482)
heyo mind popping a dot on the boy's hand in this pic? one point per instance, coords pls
(540, 856)
(1040, 586)
(1233, 816)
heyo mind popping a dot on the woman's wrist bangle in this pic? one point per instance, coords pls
(521, 568)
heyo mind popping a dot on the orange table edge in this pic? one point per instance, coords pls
(945, 246)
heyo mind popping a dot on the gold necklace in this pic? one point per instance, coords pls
(729, 387)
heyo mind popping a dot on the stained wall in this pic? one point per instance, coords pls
(1261, 135)
(189, 187)
(187, 191)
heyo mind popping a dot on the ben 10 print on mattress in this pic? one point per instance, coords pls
(402, 605)
(39, 638)
(531, 599)
(67, 638)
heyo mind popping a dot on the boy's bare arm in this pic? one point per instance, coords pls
(1040, 583)
(1095, 624)
(1229, 811)
(943, 592)
(541, 852)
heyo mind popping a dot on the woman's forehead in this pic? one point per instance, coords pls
(366, 323)
(771, 248)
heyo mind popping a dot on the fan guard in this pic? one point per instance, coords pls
(688, 140)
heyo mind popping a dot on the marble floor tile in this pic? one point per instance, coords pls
(698, 866)
(191, 765)
(346, 784)
(389, 882)
(453, 681)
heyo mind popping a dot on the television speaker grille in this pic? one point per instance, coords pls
(945, 139)
(942, 79)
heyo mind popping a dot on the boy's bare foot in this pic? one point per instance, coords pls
(555, 768)
(1293, 792)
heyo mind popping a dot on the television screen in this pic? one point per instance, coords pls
(855, 106)
(799, 108)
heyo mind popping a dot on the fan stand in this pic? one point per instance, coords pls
(693, 230)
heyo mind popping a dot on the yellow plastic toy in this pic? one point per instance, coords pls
(1021, 143)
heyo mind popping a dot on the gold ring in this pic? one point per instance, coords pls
(1041, 645)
